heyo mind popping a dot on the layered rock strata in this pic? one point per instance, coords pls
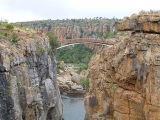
(74, 28)
(28, 88)
(124, 78)
(142, 22)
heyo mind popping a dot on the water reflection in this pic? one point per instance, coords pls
(73, 107)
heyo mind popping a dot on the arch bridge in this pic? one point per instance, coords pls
(68, 42)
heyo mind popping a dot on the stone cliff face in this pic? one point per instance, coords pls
(74, 28)
(28, 88)
(124, 78)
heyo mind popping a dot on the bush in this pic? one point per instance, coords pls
(84, 81)
(9, 26)
(81, 67)
(68, 37)
(112, 86)
(53, 40)
(14, 40)
(40, 50)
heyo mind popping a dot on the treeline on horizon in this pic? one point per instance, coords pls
(85, 28)
(72, 20)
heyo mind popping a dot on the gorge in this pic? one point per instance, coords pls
(123, 77)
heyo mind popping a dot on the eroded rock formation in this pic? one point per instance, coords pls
(69, 82)
(74, 28)
(124, 78)
(28, 88)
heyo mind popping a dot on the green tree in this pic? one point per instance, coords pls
(77, 54)
(53, 40)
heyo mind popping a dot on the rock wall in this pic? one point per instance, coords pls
(74, 28)
(28, 88)
(124, 80)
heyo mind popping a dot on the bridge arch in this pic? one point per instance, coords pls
(62, 46)
(65, 43)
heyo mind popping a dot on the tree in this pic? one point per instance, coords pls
(53, 40)
(77, 54)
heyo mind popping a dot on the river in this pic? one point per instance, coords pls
(73, 107)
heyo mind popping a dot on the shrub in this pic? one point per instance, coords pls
(81, 67)
(110, 34)
(9, 26)
(112, 86)
(53, 40)
(68, 37)
(40, 50)
(14, 40)
(84, 81)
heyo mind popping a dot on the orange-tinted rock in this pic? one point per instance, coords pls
(146, 23)
(128, 76)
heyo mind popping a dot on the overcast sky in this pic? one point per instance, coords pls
(27, 10)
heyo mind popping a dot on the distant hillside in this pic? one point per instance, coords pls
(76, 28)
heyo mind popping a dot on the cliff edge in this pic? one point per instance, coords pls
(124, 78)
(28, 88)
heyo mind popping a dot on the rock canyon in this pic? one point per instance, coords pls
(124, 78)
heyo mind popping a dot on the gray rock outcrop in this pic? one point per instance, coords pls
(28, 88)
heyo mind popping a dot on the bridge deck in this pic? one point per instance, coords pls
(65, 43)
(72, 41)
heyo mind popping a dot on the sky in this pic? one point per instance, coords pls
(29, 10)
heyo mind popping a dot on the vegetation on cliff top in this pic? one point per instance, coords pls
(53, 40)
(97, 27)
(6, 32)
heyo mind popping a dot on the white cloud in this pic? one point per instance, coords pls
(25, 10)
(12, 17)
